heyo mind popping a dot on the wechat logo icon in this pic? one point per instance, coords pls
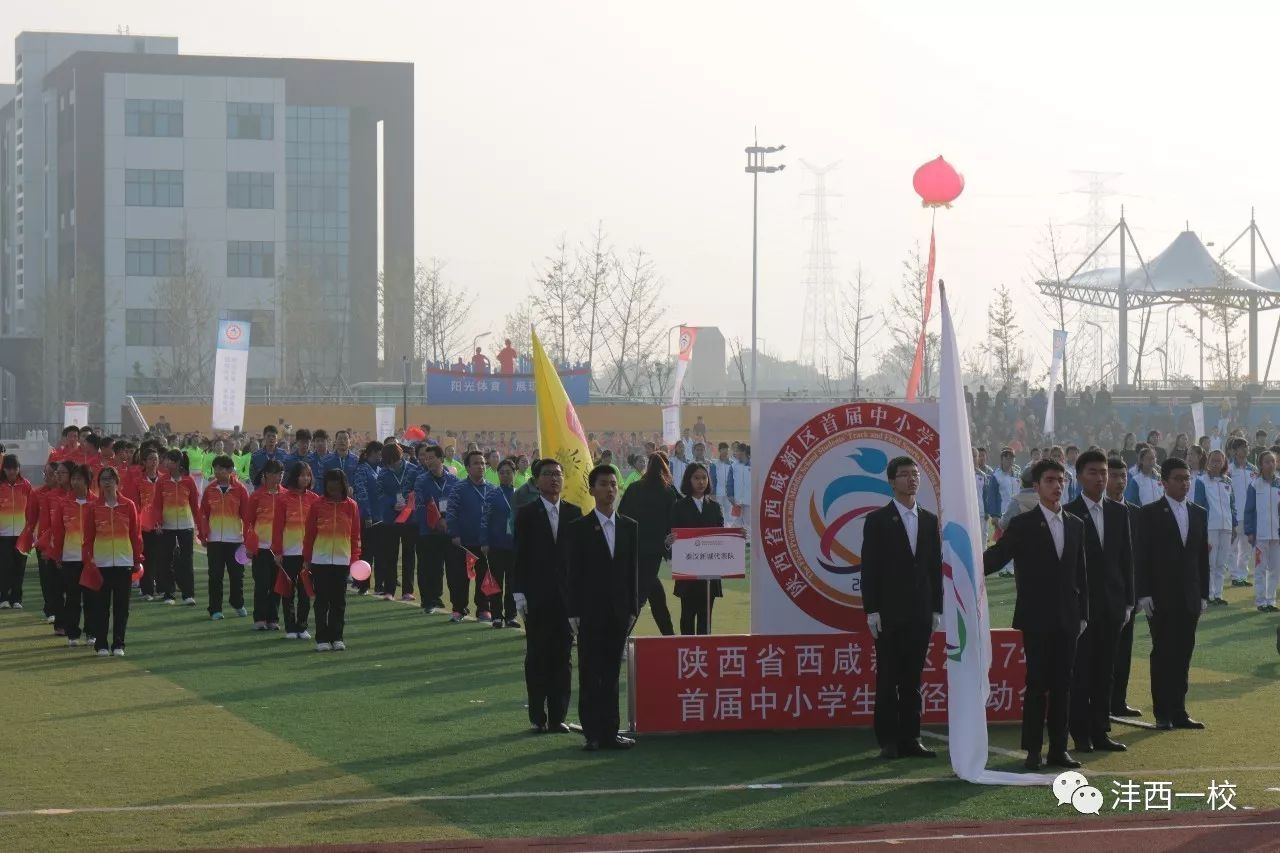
(1071, 787)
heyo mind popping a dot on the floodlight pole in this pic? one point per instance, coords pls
(1122, 307)
(1253, 297)
(755, 165)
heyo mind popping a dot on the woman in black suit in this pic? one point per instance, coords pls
(696, 509)
(648, 501)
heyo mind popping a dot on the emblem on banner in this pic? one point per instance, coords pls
(233, 333)
(817, 492)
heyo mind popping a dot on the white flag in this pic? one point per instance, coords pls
(1055, 367)
(230, 374)
(964, 585)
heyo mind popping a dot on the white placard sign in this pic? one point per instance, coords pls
(699, 553)
(670, 424)
(384, 422)
(230, 374)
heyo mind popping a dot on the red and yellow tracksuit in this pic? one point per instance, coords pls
(175, 506)
(223, 521)
(288, 527)
(330, 544)
(69, 518)
(18, 513)
(113, 541)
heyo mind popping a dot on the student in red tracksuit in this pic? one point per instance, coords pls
(224, 519)
(175, 506)
(55, 485)
(113, 541)
(16, 518)
(288, 528)
(330, 544)
(140, 487)
(66, 547)
(262, 509)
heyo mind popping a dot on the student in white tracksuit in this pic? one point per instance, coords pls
(1241, 473)
(1213, 492)
(1262, 526)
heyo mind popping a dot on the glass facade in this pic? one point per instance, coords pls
(251, 121)
(318, 173)
(253, 190)
(162, 258)
(251, 259)
(151, 117)
(153, 187)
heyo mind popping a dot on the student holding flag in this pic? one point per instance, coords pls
(330, 544)
(292, 507)
(431, 502)
(497, 537)
(260, 543)
(50, 584)
(113, 542)
(176, 507)
(399, 538)
(465, 520)
(223, 522)
(18, 515)
(368, 497)
(140, 487)
(341, 458)
(70, 517)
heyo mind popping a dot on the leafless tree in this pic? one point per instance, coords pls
(736, 364)
(1008, 361)
(309, 331)
(596, 263)
(856, 326)
(1226, 356)
(631, 333)
(904, 320)
(1057, 312)
(439, 313)
(557, 301)
(189, 316)
(516, 325)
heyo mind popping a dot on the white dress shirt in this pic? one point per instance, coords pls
(609, 527)
(1096, 514)
(910, 521)
(553, 516)
(1057, 528)
(1180, 515)
(697, 502)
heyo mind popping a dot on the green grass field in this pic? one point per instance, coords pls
(210, 735)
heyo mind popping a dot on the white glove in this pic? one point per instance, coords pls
(873, 624)
(937, 621)
(1083, 624)
(574, 621)
(522, 604)
(1128, 614)
(1147, 606)
(1204, 604)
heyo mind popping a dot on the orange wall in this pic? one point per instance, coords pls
(724, 423)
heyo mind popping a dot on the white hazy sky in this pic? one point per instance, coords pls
(536, 119)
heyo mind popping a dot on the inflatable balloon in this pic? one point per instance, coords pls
(938, 183)
(360, 571)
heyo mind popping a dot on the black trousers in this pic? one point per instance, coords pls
(157, 555)
(548, 675)
(601, 640)
(503, 604)
(1050, 658)
(296, 606)
(1173, 639)
(76, 600)
(696, 606)
(900, 656)
(113, 606)
(455, 570)
(1092, 679)
(1124, 661)
(222, 559)
(651, 591)
(266, 602)
(370, 539)
(397, 543)
(331, 601)
(13, 570)
(50, 588)
(176, 558)
(432, 551)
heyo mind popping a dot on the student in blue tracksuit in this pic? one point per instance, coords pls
(465, 517)
(301, 451)
(499, 544)
(368, 496)
(270, 451)
(399, 539)
(315, 459)
(341, 458)
(432, 487)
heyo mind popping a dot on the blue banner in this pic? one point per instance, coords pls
(447, 387)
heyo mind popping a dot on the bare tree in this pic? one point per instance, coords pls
(187, 313)
(631, 333)
(1226, 356)
(439, 313)
(1008, 361)
(596, 262)
(308, 330)
(856, 326)
(1049, 265)
(516, 325)
(736, 364)
(904, 320)
(557, 301)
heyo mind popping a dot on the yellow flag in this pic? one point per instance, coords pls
(560, 434)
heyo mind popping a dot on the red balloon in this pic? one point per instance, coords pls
(414, 434)
(938, 183)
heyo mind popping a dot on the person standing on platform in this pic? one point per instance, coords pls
(1117, 480)
(902, 597)
(537, 576)
(432, 488)
(1109, 562)
(602, 581)
(695, 509)
(649, 503)
(1262, 528)
(498, 544)
(1213, 492)
(1051, 610)
(1171, 574)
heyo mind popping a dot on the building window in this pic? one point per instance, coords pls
(153, 187)
(145, 327)
(251, 121)
(154, 257)
(251, 259)
(253, 190)
(262, 326)
(151, 117)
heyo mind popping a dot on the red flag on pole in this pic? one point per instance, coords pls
(91, 576)
(307, 586)
(24, 541)
(489, 586)
(917, 366)
(471, 565)
(433, 515)
(408, 509)
(284, 584)
(251, 541)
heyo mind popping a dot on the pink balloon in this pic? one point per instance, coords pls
(242, 556)
(360, 570)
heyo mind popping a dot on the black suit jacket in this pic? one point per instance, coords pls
(1175, 576)
(904, 588)
(538, 571)
(684, 513)
(1053, 592)
(1109, 562)
(601, 588)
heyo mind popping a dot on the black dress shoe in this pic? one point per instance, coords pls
(536, 729)
(1084, 745)
(1164, 725)
(618, 742)
(1062, 759)
(1187, 723)
(916, 750)
(888, 752)
(1033, 761)
(1126, 711)
(591, 746)
(558, 728)
(1106, 744)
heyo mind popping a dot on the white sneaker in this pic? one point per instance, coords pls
(72, 643)
(4, 605)
(304, 635)
(291, 636)
(339, 646)
(172, 601)
(323, 647)
(17, 605)
(189, 601)
(103, 653)
(148, 597)
(118, 653)
(50, 619)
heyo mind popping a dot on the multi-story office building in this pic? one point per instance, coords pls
(145, 194)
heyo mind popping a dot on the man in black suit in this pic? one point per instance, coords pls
(1046, 546)
(602, 594)
(1171, 574)
(902, 596)
(1109, 562)
(1117, 480)
(537, 578)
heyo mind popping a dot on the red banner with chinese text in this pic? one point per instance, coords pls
(794, 681)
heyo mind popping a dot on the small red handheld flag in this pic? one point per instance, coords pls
(138, 572)
(471, 566)
(408, 509)
(251, 542)
(489, 586)
(91, 576)
(24, 541)
(284, 584)
(307, 586)
(433, 515)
